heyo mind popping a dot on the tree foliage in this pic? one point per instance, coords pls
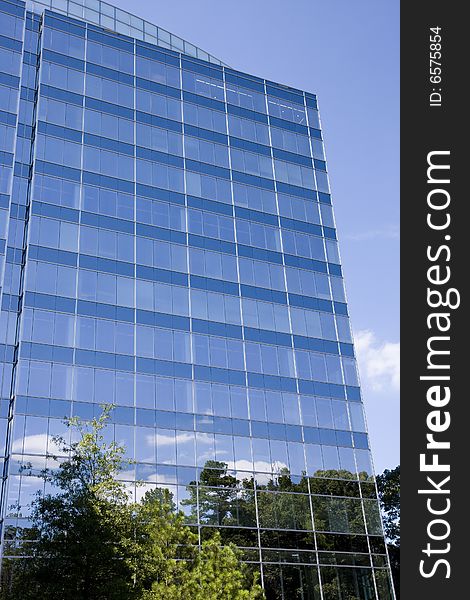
(79, 543)
(215, 574)
(388, 485)
(86, 540)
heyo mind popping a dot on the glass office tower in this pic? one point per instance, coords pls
(168, 245)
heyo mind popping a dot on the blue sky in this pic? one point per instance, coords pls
(347, 53)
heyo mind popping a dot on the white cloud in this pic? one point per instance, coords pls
(392, 232)
(31, 444)
(379, 362)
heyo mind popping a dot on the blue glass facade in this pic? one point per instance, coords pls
(168, 245)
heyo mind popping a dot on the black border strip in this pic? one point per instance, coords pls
(425, 128)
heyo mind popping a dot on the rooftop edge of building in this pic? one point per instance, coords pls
(123, 22)
(144, 36)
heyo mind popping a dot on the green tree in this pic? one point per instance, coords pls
(216, 491)
(214, 574)
(388, 485)
(80, 542)
(88, 541)
(165, 544)
(219, 499)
